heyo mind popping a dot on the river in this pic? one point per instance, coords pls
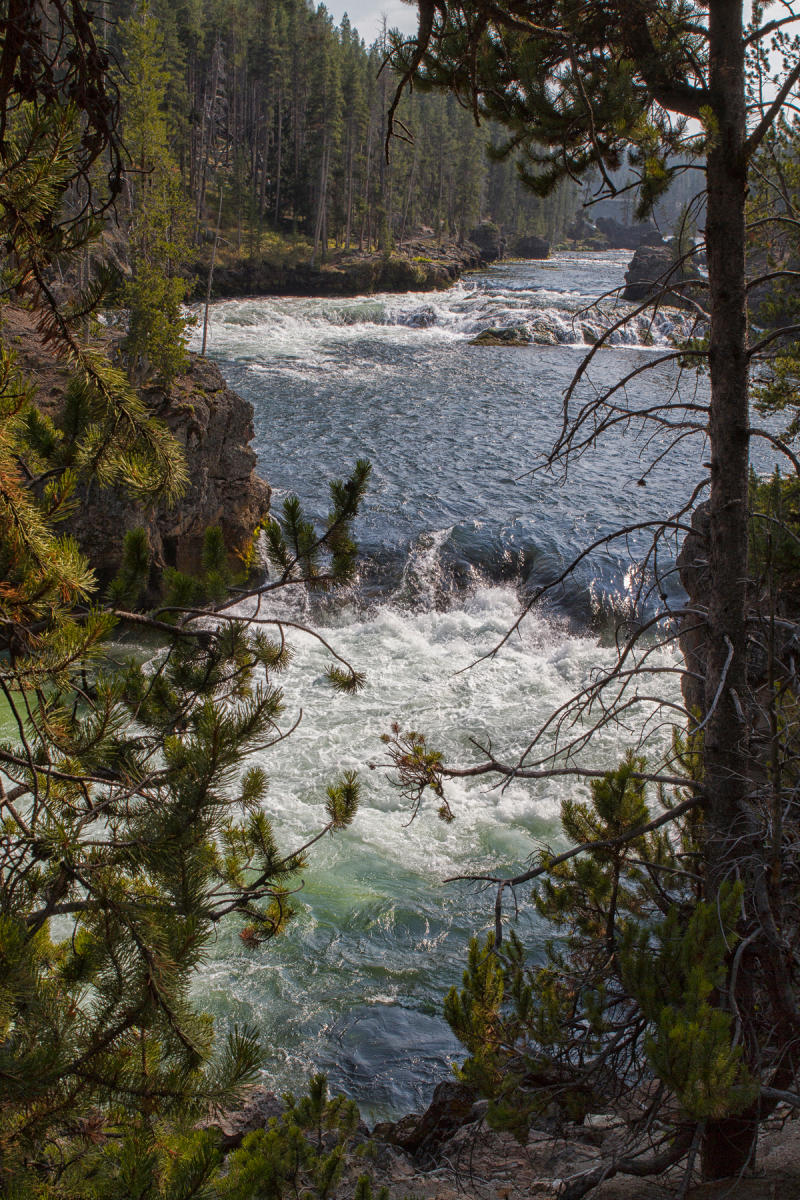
(454, 532)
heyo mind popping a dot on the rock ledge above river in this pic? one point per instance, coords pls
(214, 426)
(422, 266)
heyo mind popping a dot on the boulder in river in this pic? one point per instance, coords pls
(654, 274)
(514, 335)
(543, 334)
(530, 246)
(489, 240)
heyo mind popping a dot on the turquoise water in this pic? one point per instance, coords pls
(455, 531)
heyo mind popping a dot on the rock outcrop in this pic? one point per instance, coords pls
(489, 240)
(423, 266)
(654, 274)
(514, 335)
(530, 247)
(214, 425)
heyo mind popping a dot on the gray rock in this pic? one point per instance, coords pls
(448, 1111)
(515, 335)
(654, 274)
(214, 425)
(489, 240)
(543, 335)
(530, 247)
(256, 1113)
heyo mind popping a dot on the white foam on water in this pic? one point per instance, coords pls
(375, 918)
(313, 329)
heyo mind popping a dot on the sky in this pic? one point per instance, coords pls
(366, 15)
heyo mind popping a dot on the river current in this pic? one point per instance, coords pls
(455, 531)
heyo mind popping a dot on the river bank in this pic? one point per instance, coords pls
(422, 266)
(449, 1151)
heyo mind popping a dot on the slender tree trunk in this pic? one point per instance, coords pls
(366, 216)
(278, 164)
(323, 189)
(349, 202)
(729, 1143)
(408, 196)
(296, 177)
(210, 280)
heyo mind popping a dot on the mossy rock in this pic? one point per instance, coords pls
(543, 334)
(402, 274)
(515, 336)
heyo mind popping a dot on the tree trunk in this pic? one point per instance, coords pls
(729, 1143)
(278, 162)
(322, 201)
(366, 216)
(349, 201)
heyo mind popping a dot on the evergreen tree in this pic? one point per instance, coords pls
(160, 218)
(579, 88)
(129, 824)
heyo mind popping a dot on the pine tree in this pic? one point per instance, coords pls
(588, 88)
(160, 216)
(130, 824)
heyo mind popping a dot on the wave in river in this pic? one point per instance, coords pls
(288, 327)
(356, 984)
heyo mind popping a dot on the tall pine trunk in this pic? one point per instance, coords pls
(728, 1143)
(278, 161)
(349, 202)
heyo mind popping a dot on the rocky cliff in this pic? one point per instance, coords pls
(213, 424)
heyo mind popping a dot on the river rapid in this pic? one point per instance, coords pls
(454, 533)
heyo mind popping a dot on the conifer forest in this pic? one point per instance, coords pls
(285, 113)
(399, 578)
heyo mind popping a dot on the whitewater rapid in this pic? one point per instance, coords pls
(454, 533)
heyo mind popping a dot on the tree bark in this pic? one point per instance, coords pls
(729, 1143)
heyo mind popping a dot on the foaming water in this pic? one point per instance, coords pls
(530, 297)
(454, 530)
(356, 984)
